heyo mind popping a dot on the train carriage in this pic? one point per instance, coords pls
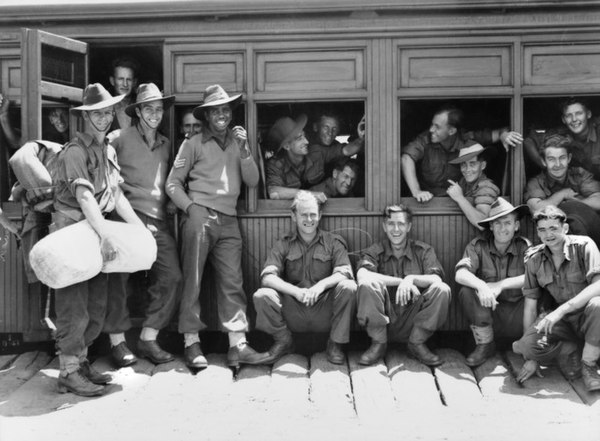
(506, 63)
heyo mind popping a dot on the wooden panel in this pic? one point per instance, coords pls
(11, 78)
(561, 65)
(315, 70)
(195, 72)
(452, 67)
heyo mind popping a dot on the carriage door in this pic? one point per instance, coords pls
(54, 73)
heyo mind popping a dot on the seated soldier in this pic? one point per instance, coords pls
(341, 183)
(307, 284)
(565, 269)
(491, 272)
(474, 184)
(401, 295)
(573, 189)
(296, 166)
(581, 127)
(425, 160)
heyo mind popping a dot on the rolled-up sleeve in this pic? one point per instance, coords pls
(587, 184)
(369, 259)
(531, 287)
(592, 260)
(275, 262)
(76, 169)
(534, 189)
(470, 260)
(431, 264)
(341, 261)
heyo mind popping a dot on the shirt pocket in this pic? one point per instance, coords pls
(322, 266)
(294, 267)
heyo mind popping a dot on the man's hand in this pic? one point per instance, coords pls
(406, 291)
(454, 191)
(510, 139)
(487, 297)
(241, 136)
(423, 196)
(196, 213)
(108, 248)
(529, 368)
(568, 193)
(152, 229)
(362, 128)
(312, 294)
(4, 103)
(545, 325)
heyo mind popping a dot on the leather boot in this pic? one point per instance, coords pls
(152, 351)
(335, 354)
(283, 345)
(591, 378)
(92, 374)
(569, 360)
(372, 355)
(193, 356)
(122, 356)
(422, 353)
(242, 353)
(78, 384)
(481, 353)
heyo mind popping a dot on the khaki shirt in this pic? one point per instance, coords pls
(581, 264)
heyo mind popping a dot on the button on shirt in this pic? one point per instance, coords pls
(144, 170)
(419, 259)
(581, 264)
(579, 180)
(482, 258)
(303, 264)
(85, 162)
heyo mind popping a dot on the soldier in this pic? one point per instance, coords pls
(416, 303)
(307, 284)
(492, 274)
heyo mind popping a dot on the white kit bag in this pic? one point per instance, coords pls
(73, 254)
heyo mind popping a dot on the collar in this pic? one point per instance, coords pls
(388, 252)
(207, 134)
(566, 250)
(512, 247)
(294, 236)
(88, 140)
(468, 186)
(157, 143)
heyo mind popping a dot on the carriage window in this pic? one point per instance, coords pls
(480, 118)
(578, 117)
(329, 158)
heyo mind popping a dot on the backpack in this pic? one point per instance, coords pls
(35, 165)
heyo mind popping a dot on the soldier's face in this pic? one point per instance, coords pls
(440, 130)
(306, 217)
(397, 228)
(327, 129)
(123, 81)
(344, 180)
(552, 232)
(190, 125)
(504, 228)
(576, 118)
(472, 169)
(59, 119)
(219, 118)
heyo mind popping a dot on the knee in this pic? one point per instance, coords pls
(370, 287)
(346, 290)
(440, 291)
(593, 307)
(264, 296)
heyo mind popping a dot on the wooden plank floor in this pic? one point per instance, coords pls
(299, 398)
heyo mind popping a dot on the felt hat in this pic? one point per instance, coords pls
(284, 129)
(96, 97)
(501, 207)
(215, 95)
(467, 153)
(147, 93)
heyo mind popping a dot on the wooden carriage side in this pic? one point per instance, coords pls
(395, 62)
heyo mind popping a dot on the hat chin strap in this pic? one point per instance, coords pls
(96, 127)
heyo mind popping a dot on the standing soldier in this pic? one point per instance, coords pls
(492, 274)
(205, 183)
(87, 188)
(144, 157)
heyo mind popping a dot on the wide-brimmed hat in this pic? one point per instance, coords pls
(501, 207)
(147, 93)
(467, 153)
(215, 95)
(284, 129)
(95, 97)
